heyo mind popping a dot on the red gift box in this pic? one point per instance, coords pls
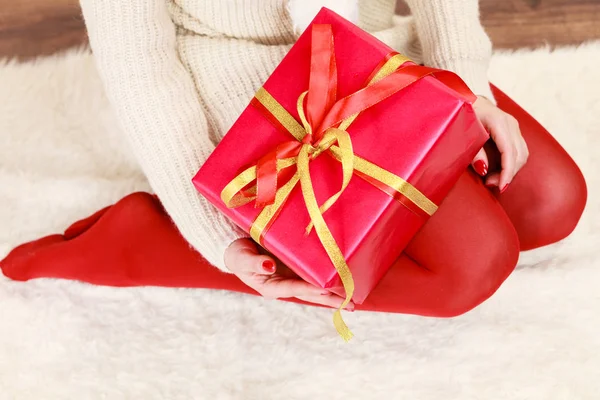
(415, 124)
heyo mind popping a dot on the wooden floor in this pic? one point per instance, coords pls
(29, 28)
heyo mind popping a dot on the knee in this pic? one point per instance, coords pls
(562, 199)
(483, 271)
(568, 199)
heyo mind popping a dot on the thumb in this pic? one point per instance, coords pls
(480, 163)
(263, 265)
(246, 259)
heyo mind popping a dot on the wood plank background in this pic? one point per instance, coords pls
(29, 28)
(529, 23)
(37, 27)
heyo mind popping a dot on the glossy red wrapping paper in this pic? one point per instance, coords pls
(426, 134)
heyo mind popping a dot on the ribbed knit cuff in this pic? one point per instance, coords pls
(453, 38)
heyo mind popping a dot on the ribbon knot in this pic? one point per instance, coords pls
(324, 143)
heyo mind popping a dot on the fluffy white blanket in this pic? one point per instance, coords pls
(62, 157)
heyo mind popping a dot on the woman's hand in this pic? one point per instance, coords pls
(273, 281)
(504, 131)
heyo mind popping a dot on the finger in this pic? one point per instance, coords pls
(329, 300)
(260, 264)
(480, 163)
(234, 255)
(524, 154)
(278, 287)
(523, 150)
(520, 145)
(501, 135)
(242, 257)
(493, 180)
(244, 244)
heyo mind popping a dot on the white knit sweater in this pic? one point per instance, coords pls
(179, 73)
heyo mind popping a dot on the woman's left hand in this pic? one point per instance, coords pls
(504, 131)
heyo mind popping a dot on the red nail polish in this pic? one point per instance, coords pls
(480, 167)
(268, 266)
(504, 188)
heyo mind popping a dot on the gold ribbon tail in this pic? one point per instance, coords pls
(326, 238)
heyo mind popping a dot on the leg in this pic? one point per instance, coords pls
(458, 259)
(547, 197)
(446, 273)
(134, 243)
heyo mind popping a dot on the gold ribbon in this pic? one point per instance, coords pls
(337, 142)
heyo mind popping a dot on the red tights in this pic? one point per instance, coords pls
(458, 259)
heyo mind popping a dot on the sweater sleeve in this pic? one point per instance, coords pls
(453, 38)
(155, 99)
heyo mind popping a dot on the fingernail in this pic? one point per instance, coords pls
(268, 266)
(480, 167)
(504, 188)
(325, 292)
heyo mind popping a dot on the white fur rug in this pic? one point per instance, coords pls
(537, 338)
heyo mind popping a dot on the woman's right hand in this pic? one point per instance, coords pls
(261, 273)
